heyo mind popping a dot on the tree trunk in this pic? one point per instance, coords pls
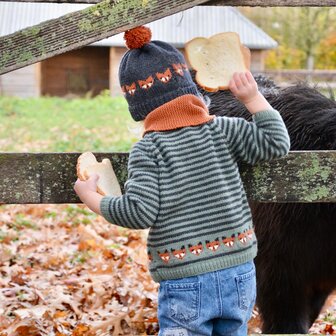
(310, 62)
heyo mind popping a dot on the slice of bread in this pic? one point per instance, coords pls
(107, 184)
(216, 58)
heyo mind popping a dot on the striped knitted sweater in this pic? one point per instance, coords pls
(184, 185)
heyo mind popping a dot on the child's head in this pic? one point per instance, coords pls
(152, 73)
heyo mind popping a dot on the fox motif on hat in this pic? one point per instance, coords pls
(147, 83)
(178, 69)
(164, 77)
(152, 73)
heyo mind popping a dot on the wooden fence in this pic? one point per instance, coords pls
(49, 177)
(105, 19)
(322, 78)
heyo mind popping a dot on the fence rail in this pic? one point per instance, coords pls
(324, 78)
(83, 27)
(250, 3)
(105, 19)
(49, 177)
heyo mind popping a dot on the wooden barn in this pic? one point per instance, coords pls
(94, 68)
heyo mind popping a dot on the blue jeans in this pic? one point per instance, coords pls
(216, 303)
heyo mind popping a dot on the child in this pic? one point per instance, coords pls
(184, 185)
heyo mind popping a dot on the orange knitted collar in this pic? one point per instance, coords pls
(187, 110)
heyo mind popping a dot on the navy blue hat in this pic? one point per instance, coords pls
(152, 73)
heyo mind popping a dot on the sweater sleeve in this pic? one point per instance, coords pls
(139, 206)
(263, 139)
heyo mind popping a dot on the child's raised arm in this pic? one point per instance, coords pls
(266, 137)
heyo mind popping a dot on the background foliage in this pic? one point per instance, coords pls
(306, 36)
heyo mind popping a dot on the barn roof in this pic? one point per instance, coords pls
(175, 29)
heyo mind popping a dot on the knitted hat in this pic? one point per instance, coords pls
(152, 73)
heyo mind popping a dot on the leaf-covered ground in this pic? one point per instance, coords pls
(65, 271)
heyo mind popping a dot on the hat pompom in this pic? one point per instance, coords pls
(137, 37)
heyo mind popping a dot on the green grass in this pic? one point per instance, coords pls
(61, 125)
(51, 124)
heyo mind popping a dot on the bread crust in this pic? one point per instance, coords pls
(79, 175)
(247, 56)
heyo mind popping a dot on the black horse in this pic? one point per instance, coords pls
(296, 262)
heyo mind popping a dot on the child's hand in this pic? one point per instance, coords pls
(245, 89)
(243, 86)
(87, 192)
(84, 187)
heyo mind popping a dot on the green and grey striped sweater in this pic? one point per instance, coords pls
(184, 185)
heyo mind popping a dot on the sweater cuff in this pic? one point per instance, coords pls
(266, 115)
(105, 208)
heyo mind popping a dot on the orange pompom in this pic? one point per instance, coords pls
(137, 37)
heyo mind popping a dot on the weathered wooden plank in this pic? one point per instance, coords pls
(49, 177)
(299, 177)
(46, 177)
(107, 18)
(80, 28)
(272, 3)
(250, 3)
